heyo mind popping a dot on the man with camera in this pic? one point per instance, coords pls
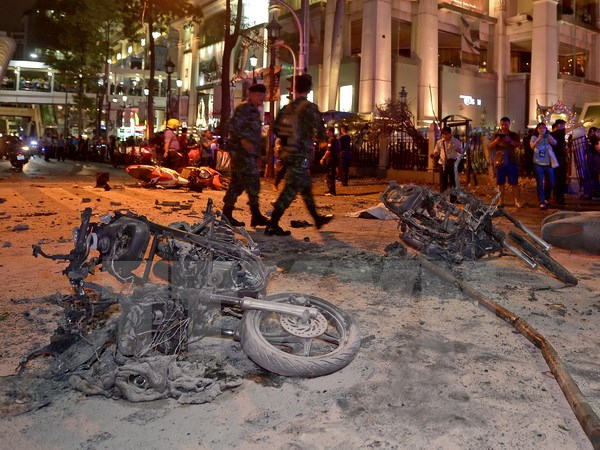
(503, 154)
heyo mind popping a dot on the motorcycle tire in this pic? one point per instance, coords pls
(542, 258)
(266, 342)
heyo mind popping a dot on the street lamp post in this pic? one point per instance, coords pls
(274, 31)
(100, 103)
(66, 110)
(169, 68)
(121, 112)
(179, 83)
(281, 44)
(403, 95)
(149, 120)
(253, 62)
(302, 48)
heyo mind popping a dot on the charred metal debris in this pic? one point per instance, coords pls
(181, 283)
(433, 224)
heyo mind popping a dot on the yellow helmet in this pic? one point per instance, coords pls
(173, 124)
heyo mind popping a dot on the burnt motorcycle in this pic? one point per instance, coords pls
(190, 281)
(152, 176)
(435, 226)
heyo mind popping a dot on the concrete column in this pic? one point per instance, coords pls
(501, 57)
(336, 52)
(327, 47)
(544, 56)
(376, 55)
(593, 71)
(426, 49)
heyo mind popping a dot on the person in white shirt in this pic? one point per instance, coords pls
(447, 150)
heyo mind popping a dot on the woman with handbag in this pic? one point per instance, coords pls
(541, 144)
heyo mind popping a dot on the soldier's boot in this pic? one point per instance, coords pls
(258, 220)
(320, 221)
(273, 228)
(228, 212)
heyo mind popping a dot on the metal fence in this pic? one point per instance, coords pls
(366, 154)
(404, 153)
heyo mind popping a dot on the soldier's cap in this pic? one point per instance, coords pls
(258, 88)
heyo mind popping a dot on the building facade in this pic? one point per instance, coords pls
(476, 58)
(481, 59)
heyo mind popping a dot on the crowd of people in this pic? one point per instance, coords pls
(296, 128)
(545, 157)
(184, 148)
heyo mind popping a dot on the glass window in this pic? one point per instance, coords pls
(401, 38)
(346, 96)
(574, 65)
(449, 47)
(9, 83)
(520, 62)
(31, 80)
(355, 37)
(212, 30)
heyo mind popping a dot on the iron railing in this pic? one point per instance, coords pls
(407, 154)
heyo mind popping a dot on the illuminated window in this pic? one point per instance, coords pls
(573, 64)
(345, 101)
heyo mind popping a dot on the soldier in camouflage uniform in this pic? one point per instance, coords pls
(244, 146)
(297, 178)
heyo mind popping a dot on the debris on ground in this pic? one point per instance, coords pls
(300, 224)
(378, 211)
(396, 249)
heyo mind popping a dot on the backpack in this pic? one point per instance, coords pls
(288, 129)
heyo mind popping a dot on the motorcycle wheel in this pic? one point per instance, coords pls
(283, 345)
(543, 259)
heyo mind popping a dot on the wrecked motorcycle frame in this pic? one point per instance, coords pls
(186, 279)
(438, 228)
